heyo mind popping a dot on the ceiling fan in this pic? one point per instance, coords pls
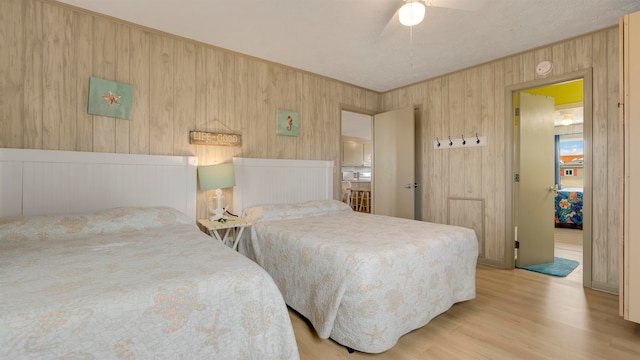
(412, 11)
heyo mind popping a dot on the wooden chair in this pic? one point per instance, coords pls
(346, 192)
(355, 199)
(365, 201)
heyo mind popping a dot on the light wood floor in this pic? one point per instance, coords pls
(517, 314)
(568, 245)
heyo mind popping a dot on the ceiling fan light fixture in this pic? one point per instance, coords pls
(566, 120)
(411, 13)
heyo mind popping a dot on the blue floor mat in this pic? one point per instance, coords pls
(559, 267)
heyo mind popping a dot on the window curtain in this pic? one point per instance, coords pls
(557, 157)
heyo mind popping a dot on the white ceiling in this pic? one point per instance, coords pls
(349, 40)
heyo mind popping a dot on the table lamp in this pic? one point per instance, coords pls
(217, 177)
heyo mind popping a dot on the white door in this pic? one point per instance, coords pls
(535, 193)
(394, 163)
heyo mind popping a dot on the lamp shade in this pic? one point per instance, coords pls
(412, 13)
(217, 176)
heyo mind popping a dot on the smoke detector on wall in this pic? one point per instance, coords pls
(544, 67)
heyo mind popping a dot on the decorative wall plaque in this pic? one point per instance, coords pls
(211, 138)
(287, 123)
(110, 98)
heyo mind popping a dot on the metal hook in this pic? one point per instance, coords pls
(438, 141)
(477, 139)
(464, 142)
(450, 142)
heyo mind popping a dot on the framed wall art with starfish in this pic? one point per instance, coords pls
(110, 98)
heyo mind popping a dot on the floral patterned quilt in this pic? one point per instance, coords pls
(133, 283)
(363, 280)
(569, 208)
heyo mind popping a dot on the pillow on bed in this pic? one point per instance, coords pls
(295, 210)
(50, 227)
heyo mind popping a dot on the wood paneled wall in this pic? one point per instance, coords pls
(473, 101)
(50, 50)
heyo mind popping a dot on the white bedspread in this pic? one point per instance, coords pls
(133, 284)
(364, 280)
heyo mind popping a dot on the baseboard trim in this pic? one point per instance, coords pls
(595, 285)
(492, 263)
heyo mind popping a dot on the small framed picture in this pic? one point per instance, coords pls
(110, 98)
(287, 123)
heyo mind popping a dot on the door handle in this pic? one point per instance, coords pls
(553, 188)
(408, 186)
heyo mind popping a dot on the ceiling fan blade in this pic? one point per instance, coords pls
(393, 21)
(469, 5)
(391, 25)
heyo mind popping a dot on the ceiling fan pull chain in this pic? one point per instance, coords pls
(411, 45)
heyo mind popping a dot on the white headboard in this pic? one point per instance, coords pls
(34, 182)
(268, 181)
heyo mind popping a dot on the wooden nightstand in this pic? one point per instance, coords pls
(229, 232)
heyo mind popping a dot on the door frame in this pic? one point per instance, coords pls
(419, 159)
(587, 76)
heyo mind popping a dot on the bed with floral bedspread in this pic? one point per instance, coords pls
(362, 280)
(568, 204)
(133, 283)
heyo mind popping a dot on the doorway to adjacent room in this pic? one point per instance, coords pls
(551, 212)
(380, 162)
(356, 160)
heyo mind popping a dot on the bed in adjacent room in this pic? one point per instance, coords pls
(568, 207)
(105, 279)
(362, 280)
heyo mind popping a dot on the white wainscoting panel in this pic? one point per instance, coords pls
(54, 182)
(268, 181)
(10, 188)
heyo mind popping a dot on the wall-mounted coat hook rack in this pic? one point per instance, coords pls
(461, 142)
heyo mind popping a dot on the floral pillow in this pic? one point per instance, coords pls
(295, 210)
(50, 227)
